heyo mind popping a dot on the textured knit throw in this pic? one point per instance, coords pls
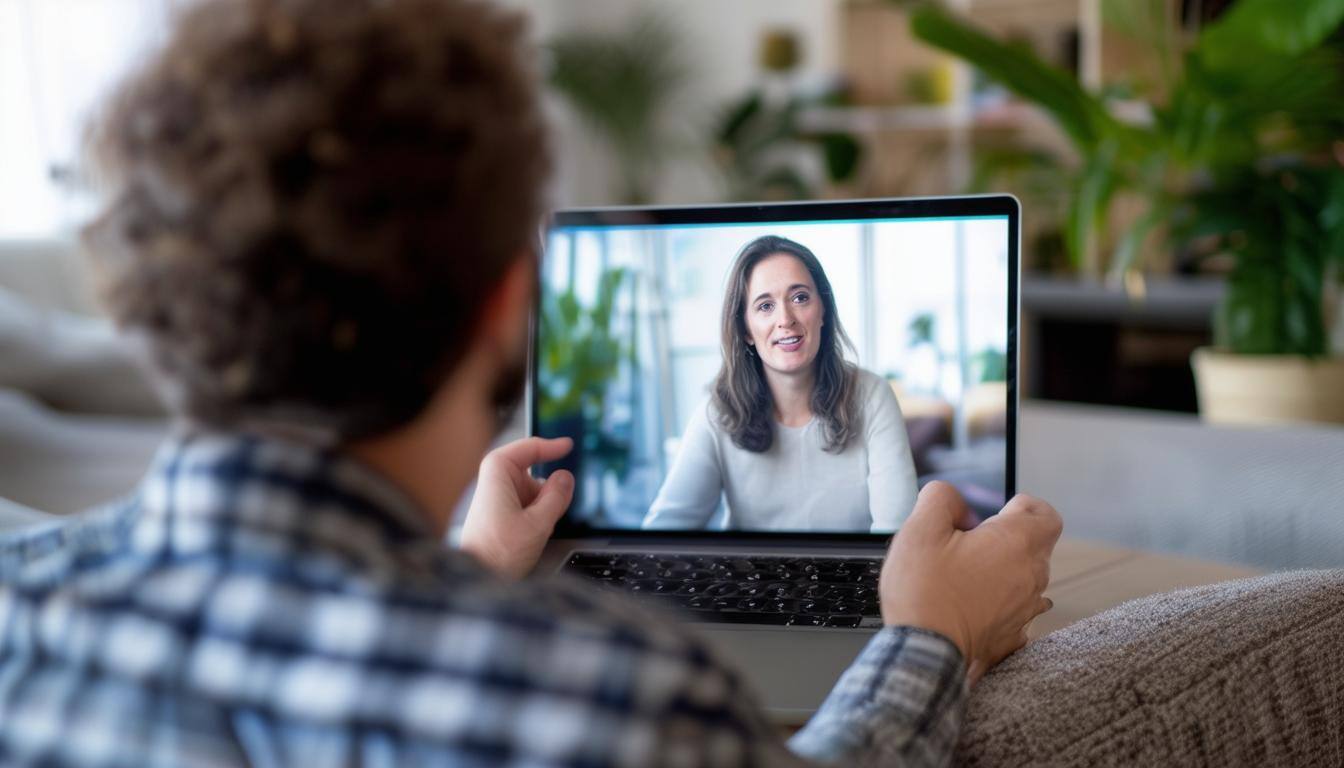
(1246, 672)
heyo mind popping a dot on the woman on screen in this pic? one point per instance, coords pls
(794, 436)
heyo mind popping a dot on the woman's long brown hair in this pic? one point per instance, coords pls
(741, 395)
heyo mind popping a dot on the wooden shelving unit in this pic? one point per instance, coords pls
(881, 56)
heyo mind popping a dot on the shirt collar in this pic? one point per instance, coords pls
(220, 479)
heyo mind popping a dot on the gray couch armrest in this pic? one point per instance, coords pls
(60, 462)
(71, 362)
(1246, 672)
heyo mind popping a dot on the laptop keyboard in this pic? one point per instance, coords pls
(733, 589)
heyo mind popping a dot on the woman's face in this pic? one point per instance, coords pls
(784, 314)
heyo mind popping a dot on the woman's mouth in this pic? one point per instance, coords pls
(789, 343)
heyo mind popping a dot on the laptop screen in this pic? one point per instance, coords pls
(795, 369)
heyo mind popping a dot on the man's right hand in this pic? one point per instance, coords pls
(980, 588)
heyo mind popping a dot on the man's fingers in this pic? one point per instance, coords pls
(553, 498)
(534, 450)
(1030, 506)
(938, 512)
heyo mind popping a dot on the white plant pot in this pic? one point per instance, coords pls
(1268, 389)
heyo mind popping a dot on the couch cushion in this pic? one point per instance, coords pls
(71, 362)
(1247, 672)
(61, 462)
(52, 273)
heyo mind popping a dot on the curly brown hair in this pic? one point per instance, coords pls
(311, 201)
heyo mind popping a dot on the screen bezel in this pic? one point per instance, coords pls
(756, 213)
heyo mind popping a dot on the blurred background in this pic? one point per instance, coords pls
(1180, 165)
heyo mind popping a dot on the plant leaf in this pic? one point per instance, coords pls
(1127, 250)
(1246, 320)
(1097, 183)
(841, 153)
(1253, 30)
(1081, 116)
(782, 183)
(738, 116)
(1332, 222)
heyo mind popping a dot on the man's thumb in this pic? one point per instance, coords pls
(938, 512)
(553, 498)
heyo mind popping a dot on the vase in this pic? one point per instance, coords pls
(1268, 389)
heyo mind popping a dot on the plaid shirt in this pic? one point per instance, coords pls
(262, 602)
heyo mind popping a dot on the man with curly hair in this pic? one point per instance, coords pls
(321, 222)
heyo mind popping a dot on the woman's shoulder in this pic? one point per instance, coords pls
(707, 414)
(875, 393)
(870, 384)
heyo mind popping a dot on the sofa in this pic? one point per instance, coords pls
(79, 419)
(1246, 672)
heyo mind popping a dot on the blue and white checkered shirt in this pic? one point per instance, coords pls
(267, 603)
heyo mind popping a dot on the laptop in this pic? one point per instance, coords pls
(661, 337)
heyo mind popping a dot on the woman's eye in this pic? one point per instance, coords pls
(765, 306)
(800, 298)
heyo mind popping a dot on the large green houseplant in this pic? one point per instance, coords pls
(1240, 160)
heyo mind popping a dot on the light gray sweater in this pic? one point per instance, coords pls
(795, 485)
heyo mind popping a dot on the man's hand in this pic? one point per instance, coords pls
(978, 587)
(512, 515)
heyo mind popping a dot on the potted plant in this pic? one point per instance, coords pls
(759, 140)
(623, 86)
(757, 144)
(576, 366)
(1237, 158)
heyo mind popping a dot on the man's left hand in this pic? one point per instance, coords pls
(513, 514)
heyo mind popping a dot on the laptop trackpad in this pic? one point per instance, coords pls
(792, 670)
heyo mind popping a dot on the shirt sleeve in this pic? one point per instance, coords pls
(691, 492)
(900, 703)
(892, 485)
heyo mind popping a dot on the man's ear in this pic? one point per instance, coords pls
(504, 322)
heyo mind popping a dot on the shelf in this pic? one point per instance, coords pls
(1180, 301)
(878, 119)
(921, 117)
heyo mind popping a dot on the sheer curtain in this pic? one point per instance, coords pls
(58, 59)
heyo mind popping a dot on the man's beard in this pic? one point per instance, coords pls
(506, 394)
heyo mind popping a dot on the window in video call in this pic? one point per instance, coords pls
(660, 348)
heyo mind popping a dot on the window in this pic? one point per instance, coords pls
(58, 59)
